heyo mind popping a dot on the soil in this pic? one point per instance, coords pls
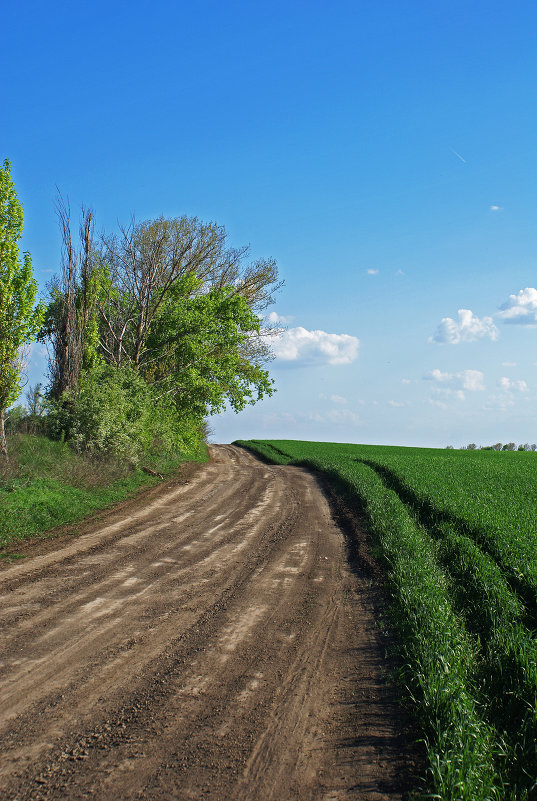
(214, 638)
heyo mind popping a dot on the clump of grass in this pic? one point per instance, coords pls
(36, 456)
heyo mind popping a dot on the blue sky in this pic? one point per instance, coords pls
(383, 152)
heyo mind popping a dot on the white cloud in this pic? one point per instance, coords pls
(372, 272)
(520, 309)
(334, 398)
(509, 384)
(274, 317)
(508, 364)
(448, 393)
(502, 402)
(496, 208)
(315, 348)
(406, 381)
(338, 399)
(467, 329)
(400, 272)
(440, 404)
(343, 416)
(470, 380)
(396, 404)
(438, 375)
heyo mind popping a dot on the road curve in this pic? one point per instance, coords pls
(211, 643)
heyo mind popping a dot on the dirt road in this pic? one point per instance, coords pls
(211, 643)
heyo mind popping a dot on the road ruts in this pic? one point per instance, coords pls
(213, 643)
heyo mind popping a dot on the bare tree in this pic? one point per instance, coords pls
(34, 400)
(70, 308)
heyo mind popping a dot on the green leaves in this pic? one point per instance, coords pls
(20, 320)
(194, 351)
(114, 413)
(151, 331)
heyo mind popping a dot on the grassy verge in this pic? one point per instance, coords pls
(48, 484)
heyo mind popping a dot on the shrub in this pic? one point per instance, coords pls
(114, 413)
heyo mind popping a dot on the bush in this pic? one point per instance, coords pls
(114, 413)
(14, 417)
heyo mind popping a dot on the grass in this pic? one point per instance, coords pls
(47, 484)
(457, 533)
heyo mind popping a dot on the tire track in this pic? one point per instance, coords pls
(215, 642)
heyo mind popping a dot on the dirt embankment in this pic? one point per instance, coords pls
(212, 643)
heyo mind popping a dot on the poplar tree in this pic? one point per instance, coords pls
(20, 318)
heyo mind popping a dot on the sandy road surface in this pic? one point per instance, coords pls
(213, 643)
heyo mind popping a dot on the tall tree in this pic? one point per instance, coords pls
(198, 347)
(20, 319)
(34, 400)
(170, 302)
(68, 323)
(146, 261)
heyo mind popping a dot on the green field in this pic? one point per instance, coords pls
(457, 532)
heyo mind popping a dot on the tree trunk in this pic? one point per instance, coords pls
(3, 443)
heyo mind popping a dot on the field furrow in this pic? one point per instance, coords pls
(457, 534)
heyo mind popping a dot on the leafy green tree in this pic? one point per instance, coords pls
(169, 301)
(147, 260)
(20, 319)
(198, 357)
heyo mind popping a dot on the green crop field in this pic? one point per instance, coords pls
(457, 531)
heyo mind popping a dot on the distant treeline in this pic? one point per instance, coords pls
(508, 446)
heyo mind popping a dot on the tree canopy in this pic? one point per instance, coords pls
(169, 300)
(20, 318)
